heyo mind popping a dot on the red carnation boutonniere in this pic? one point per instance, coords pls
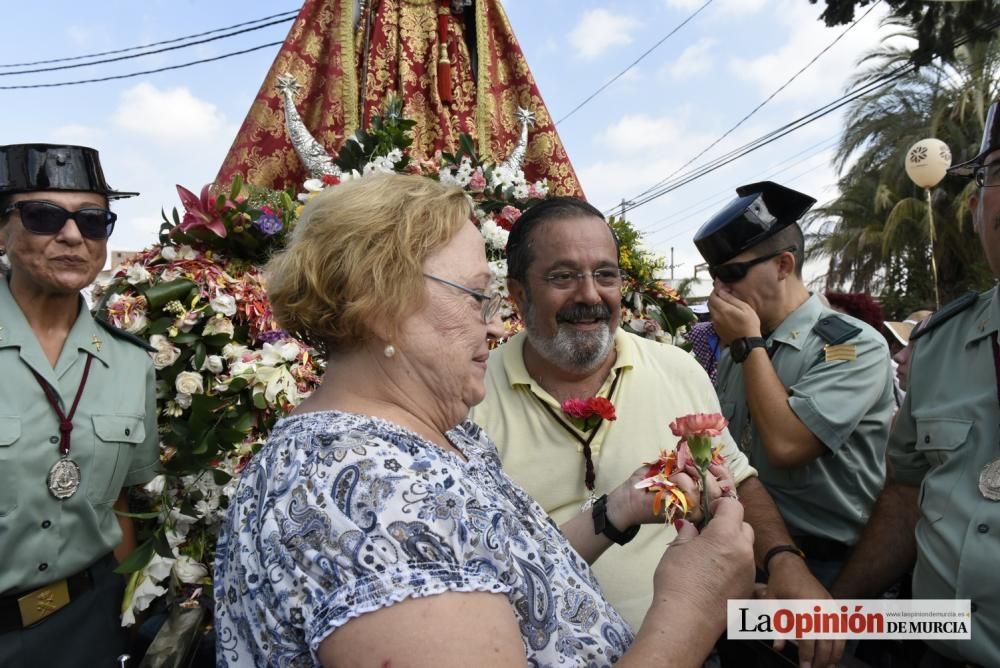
(694, 450)
(586, 414)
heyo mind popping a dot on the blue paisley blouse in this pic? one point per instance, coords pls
(342, 514)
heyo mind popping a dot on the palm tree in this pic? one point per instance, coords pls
(875, 234)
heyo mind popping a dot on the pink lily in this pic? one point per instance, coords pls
(200, 212)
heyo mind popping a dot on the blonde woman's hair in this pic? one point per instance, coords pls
(356, 257)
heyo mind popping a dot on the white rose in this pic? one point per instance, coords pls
(166, 353)
(168, 253)
(137, 274)
(188, 570)
(219, 325)
(156, 485)
(232, 351)
(183, 400)
(189, 382)
(224, 304)
(136, 322)
(213, 363)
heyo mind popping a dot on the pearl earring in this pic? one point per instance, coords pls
(389, 350)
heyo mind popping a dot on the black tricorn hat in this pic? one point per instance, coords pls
(35, 167)
(991, 142)
(759, 211)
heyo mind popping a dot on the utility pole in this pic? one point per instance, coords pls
(625, 204)
(673, 266)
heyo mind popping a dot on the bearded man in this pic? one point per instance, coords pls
(564, 277)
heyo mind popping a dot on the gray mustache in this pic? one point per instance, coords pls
(579, 312)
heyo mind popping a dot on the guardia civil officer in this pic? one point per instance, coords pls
(941, 506)
(77, 415)
(808, 391)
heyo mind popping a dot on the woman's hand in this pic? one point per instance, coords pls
(696, 577)
(628, 506)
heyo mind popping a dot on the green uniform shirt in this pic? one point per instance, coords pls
(114, 441)
(846, 404)
(947, 430)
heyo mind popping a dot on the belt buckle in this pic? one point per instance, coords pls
(42, 602)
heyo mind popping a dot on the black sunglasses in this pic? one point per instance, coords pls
(734, 272)
(47, 218)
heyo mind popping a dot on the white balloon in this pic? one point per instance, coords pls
(927, 161)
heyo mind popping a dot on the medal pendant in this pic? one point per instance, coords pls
(989, 481)
(64, 478)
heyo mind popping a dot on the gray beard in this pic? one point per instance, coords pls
(570, 350)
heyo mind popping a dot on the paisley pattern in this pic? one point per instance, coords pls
(342, 514)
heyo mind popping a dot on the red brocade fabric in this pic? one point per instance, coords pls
(324, 51)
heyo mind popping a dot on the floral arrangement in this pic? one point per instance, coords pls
(226, 372)
(651, 308)
(693, 455)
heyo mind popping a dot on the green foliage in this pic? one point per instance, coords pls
(936, 25)
(875, 235)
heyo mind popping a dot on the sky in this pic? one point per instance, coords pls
(175, 127)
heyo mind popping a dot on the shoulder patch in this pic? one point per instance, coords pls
(946, 313)
(123, 335)
(835, 330)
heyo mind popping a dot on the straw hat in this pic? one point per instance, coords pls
(902, 330)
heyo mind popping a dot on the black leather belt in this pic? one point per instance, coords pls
(822, 549)
(20, 611)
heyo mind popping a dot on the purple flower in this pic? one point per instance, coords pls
(268, 223)
(272, 336)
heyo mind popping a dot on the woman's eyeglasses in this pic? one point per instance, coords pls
(565, 280)
(734, 272)
(47, 218)
(489, 304)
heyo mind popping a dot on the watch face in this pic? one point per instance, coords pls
(739, 349)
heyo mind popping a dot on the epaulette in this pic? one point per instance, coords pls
(835, 330)
(124, 336)
(946, 313)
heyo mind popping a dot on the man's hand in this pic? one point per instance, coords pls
(732, 317)
(790, 578)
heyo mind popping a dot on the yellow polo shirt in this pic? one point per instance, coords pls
(657, 383)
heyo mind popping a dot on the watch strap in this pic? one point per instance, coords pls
(749, 343)
(604, 526)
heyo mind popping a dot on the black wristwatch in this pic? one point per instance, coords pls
(740, 348)
(603, 526)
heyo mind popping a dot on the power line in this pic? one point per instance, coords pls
(138, 74)
(791, 179)
(759, 106)
(675, 217)
(634, 62)
(152, 44)
(147, 53)
(774, 135)
(719, 198)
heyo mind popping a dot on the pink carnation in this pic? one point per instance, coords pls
(698, 424)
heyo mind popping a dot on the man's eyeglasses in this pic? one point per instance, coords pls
(987, 176)
(565, 280)
(489, 304)
(734, 272)
(47, 218)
